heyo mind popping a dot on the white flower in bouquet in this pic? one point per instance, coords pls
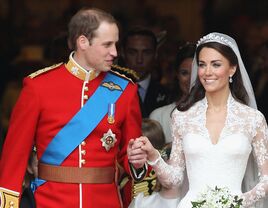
(217, 198)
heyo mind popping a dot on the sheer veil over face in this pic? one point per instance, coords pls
(230, 42)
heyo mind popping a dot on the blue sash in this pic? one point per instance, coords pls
(85, 121)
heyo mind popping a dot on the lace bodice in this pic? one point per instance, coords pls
(221, 164)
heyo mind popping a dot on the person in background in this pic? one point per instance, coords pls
(158, 196)
(29, 59)
(182, 68)
(129, 188)
(81, 117)
(139, 53)
(215, 129)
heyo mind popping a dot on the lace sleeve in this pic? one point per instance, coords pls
(171, 173)
(260, 147)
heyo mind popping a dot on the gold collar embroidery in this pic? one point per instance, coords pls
(75, 69)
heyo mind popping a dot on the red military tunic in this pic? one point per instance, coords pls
(47, 102)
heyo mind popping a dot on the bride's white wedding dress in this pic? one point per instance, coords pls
(222, 164)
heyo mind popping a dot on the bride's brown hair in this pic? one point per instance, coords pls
(237, 88)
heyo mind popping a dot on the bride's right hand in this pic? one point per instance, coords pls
(152, 153)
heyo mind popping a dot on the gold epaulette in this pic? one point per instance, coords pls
(41, 71)
(9, 199)
(124, 72)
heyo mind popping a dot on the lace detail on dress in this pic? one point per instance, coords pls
(257, 193)
(245, 129)
(260, 146)
(175, 169)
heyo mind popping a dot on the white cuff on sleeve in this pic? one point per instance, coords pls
(152, 163)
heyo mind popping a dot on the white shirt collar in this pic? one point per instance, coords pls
(145, 82)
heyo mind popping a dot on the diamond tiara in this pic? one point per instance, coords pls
(214, 38)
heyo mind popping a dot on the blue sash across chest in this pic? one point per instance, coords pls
(84, 121)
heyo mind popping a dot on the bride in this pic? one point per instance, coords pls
(215, 129)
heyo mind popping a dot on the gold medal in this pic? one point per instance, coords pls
(108, 140)
(111, 113)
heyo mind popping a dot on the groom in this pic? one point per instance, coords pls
(81, 116)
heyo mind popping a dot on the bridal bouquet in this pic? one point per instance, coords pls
(217, 198)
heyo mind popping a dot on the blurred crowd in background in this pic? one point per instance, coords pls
(34, 35)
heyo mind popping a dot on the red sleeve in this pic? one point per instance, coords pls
(20, 138)
(131, 128)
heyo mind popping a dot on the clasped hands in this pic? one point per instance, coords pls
(141, 150)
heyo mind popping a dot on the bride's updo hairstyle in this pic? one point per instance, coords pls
(240, 88)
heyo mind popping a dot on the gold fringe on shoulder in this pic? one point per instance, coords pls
(41, 71)
(129, 73)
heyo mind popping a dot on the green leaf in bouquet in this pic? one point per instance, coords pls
(197, 204)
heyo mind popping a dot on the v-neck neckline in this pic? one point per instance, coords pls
(224, 126)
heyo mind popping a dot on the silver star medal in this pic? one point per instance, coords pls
(108, 140)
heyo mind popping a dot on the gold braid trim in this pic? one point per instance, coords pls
(147, 185)
(127, 70)
(41, 71)
(9, 198)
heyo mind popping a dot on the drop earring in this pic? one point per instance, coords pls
(230, 79)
